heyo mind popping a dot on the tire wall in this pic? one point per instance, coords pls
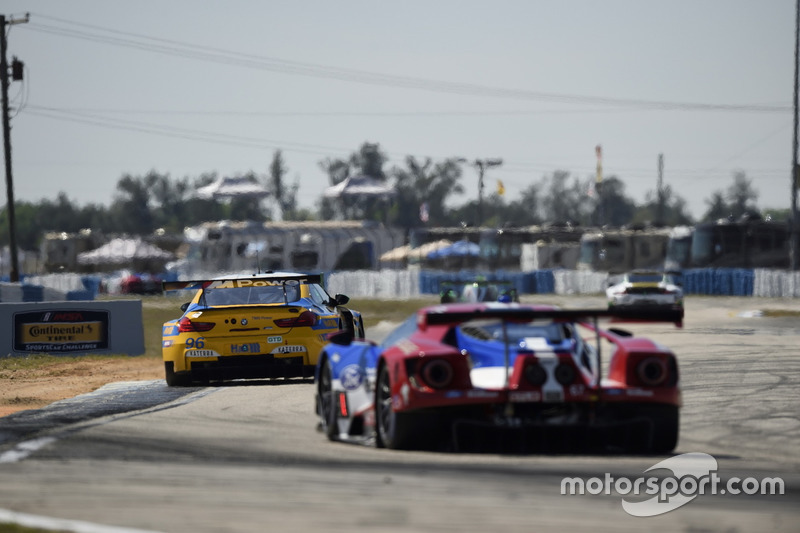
(412, 283)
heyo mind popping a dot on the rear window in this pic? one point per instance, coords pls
(273, 294)
(645, 278)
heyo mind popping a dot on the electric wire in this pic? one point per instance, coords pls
(228, 57)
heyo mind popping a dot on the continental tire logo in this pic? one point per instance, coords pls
(54, 331)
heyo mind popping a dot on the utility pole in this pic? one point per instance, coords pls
(12, 229)
(598, 185)
(482, 165)
(795, 179)
(660, 191)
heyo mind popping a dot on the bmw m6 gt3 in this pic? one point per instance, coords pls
(264, 326)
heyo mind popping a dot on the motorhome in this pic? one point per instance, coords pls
(310, 246)
(620, 250)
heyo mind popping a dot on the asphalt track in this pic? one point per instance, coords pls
(246, 457)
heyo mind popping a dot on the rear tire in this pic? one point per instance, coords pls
(393, 430)
(666, 427)
(176, 379)
(327, 402)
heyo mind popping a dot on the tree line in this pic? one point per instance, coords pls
(145, 204)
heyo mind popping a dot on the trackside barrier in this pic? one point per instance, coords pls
(719, 281)
(375, 284)
(411, 283)
(776, 283)
(71, 328)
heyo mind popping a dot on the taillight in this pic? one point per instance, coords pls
(306, 318)
(652, 371)
(565, 373)
(437, 373)
(187, 326)
(534, 374)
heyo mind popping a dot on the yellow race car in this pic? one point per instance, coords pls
(269, 325)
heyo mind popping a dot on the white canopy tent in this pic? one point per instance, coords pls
(245, 186)
(360, 186)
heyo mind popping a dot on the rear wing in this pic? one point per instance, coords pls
(254, 281)
(452, 315)
(456, 314)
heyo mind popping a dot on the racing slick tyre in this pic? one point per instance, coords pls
(327, 401)
(175, 379)
(393, 430)
(666, 424)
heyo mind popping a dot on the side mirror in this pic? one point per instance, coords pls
(343, 337)
(341, 299)
(185, 306)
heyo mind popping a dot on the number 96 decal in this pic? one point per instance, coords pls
(198, 343)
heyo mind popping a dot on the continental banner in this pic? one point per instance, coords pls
(60, 330)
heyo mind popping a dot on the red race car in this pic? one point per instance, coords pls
(503, 377)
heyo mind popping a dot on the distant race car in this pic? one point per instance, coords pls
(646, 289)
(502, 377)
(264, 326)
(477, 291)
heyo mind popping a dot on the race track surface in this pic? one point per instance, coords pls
(139, 456)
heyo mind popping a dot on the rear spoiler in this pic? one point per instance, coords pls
(457, 314)
(254, 281)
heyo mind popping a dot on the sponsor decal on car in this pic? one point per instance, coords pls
(525, 396)
(249, 347)
(351, 376)
(200, 353)
(481, 394)
(289, 349)
(274, 339)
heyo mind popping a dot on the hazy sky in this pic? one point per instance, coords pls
(188, 87)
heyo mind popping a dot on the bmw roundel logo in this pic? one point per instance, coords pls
(351, 377)
(244, 321)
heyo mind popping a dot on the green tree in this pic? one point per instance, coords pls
(285, 196)
(664, 205)
(367, 161)
(566, 201)
(613, 207)
(424, 182)
(717, 207)
(130, 211)
(741, 195)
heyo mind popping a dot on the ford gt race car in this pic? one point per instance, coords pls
(264, 326)
(503, 377)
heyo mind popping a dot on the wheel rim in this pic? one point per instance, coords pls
(326, 395)
(384, 404)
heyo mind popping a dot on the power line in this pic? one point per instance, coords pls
(228, 57)
(330, 151)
